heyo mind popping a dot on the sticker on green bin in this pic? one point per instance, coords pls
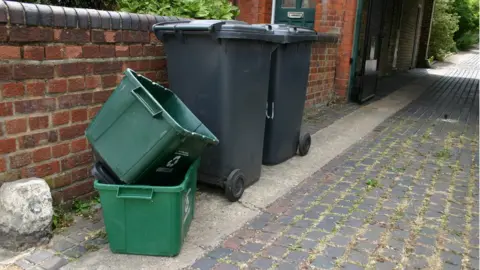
(171, 164)
(187, 206)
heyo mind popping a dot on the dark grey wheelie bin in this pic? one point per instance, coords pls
(289, 70)
(220, 71)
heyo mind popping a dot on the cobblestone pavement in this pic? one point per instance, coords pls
(71, 243)
(405, 197)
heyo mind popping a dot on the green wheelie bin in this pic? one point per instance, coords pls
(145, 129)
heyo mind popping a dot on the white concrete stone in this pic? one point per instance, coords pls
(25, 213)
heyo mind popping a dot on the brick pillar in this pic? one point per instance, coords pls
(338, 16)
(329, 15)
(422, 57)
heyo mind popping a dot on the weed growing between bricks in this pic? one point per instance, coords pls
(369, 220)
(297, 247)
(63, 215)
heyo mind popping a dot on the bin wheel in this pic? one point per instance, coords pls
(304, 144)
(235, 185)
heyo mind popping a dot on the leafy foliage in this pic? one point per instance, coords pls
(444, 25)
(467, 39)
(455, 26)
(468, 13)
(93, 4)
(196, 9)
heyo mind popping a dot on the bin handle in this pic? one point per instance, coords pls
(148, 101)
(189, 27)
(296, 28)
(135, 193)
(171, 22)
(273, 111)
(183, 26)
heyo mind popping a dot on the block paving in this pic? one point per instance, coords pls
(86, 235)
(405, 197)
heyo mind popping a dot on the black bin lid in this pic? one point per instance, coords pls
(284, 33)
(224, 29)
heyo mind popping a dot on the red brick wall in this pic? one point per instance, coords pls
(255, 11)
(322, 73)
(338, 16)
(56, 70)
(331, 16)
(53, 80)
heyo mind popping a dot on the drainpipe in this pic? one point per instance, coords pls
(356, 35)
(274, 4)
(430, 28)
(235, 3)
(397, 41)
(417, 25)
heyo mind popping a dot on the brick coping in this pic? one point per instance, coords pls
(17, 13)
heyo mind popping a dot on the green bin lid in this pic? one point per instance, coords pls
(284, 33)
(223, 29)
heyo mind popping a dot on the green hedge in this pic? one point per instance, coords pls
(444, 25)
(197, 9)
(467, 33)
(455, 27)
(93, 4)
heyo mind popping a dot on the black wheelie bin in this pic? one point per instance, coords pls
(220, 70)
(287, 90)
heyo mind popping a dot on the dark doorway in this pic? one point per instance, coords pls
(369, 51)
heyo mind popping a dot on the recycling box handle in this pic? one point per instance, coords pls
(135, 193)
(148, 101)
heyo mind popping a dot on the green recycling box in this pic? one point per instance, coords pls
(149, 220)
(145, 128)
